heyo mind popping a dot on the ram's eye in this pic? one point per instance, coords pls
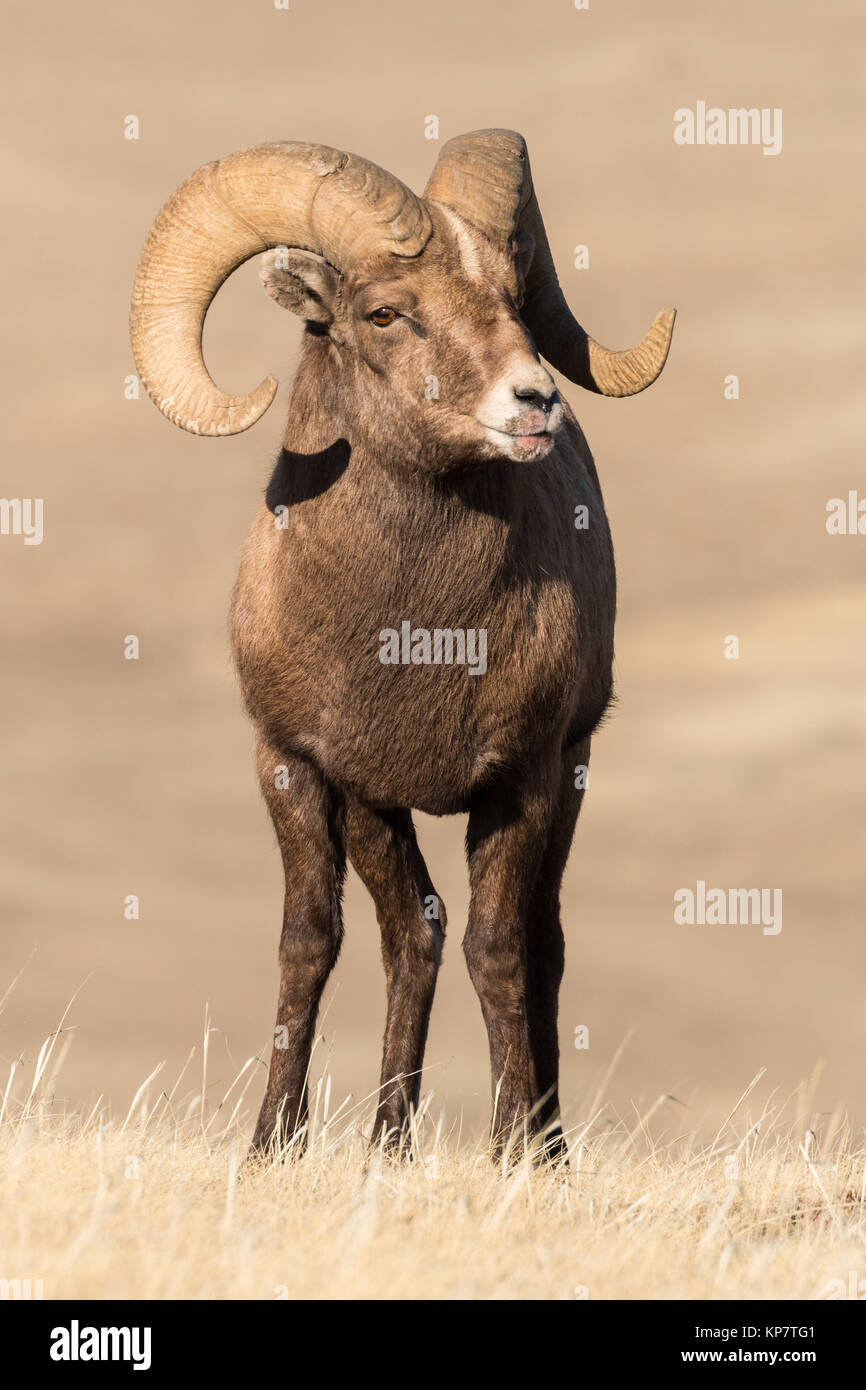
(383, 316)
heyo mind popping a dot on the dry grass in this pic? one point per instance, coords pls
(159, 1203)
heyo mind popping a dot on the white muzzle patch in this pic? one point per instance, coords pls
(522, 413)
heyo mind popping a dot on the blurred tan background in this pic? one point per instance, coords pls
(127, 777)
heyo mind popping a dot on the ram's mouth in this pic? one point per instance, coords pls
(528, 440)
(522, 446)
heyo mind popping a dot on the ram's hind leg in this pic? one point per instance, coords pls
(383, 849)
(308, 818)
(506, 840)
(546, 946)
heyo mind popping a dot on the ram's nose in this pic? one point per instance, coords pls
(536, 406)
(524, 407)
(536, 397)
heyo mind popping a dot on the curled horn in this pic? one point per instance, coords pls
(306, 196)
(486, 178)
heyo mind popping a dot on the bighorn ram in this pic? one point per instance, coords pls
(426, 494)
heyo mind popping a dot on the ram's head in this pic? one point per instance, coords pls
(438, 307)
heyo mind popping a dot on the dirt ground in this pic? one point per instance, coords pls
(135, 777)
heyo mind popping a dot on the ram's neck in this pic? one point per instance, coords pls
(330, 405)
(317, 409)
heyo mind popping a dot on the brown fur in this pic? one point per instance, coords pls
(398, 507)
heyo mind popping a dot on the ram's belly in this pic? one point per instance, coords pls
(402, 714)
(427, 736)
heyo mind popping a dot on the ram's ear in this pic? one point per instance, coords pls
(302, 282)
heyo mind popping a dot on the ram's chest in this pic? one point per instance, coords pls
(411, 668)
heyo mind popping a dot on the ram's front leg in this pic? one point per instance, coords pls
(383, 849)
(309, 821)
(546, 947)
(506, 838)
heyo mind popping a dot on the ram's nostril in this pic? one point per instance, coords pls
(530, 396)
